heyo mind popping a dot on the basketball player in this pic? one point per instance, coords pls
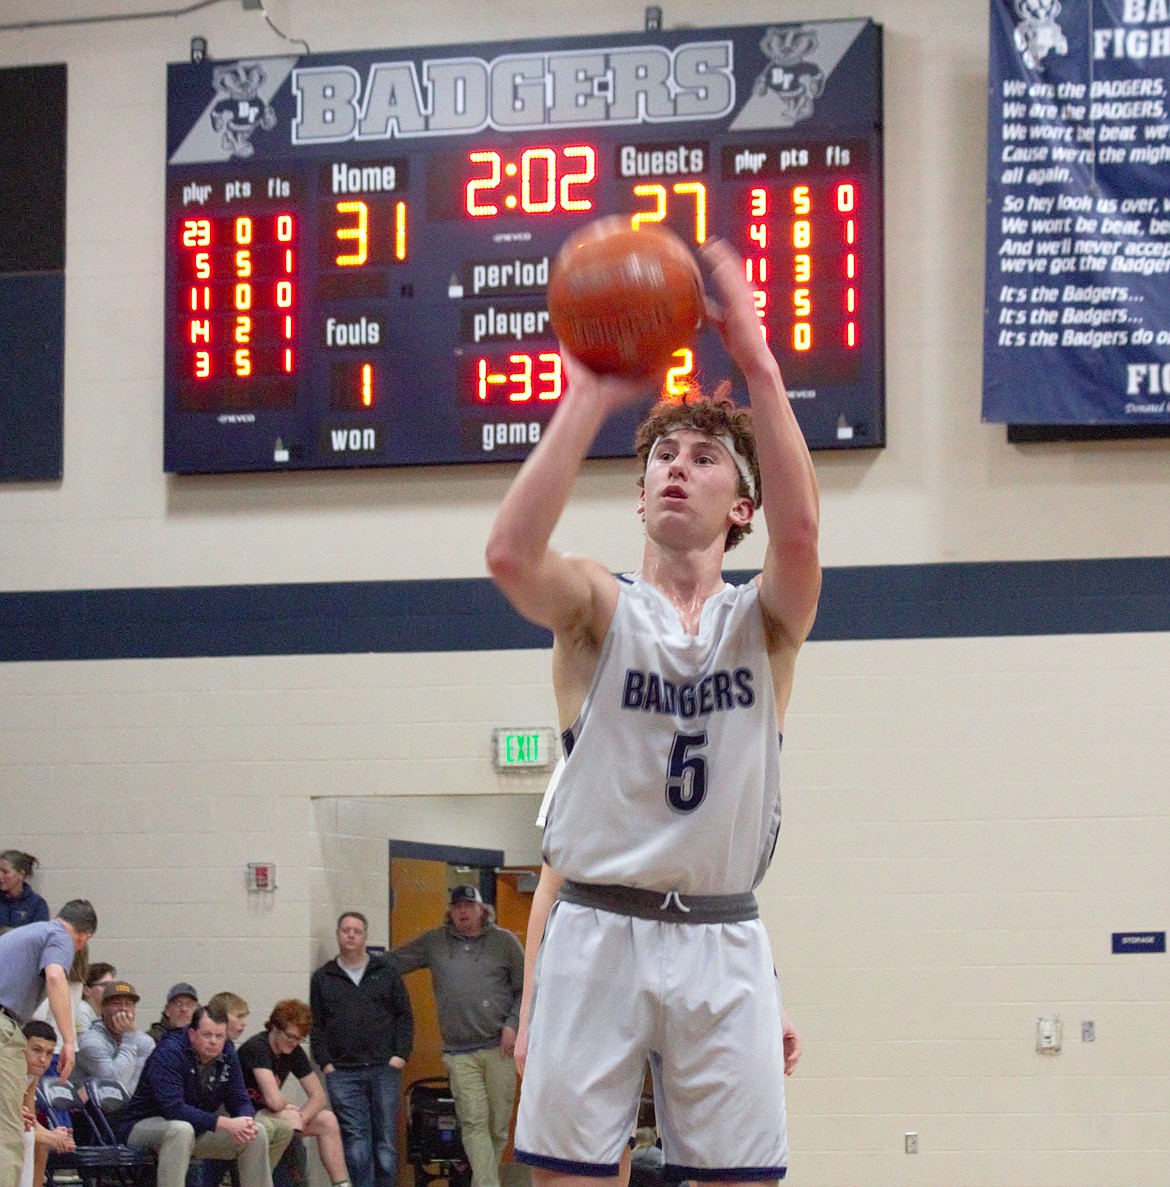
(671, 688)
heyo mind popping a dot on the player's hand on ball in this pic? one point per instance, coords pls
(613, 392)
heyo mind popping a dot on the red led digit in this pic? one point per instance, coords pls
(284, 228)
(243, 229)
(367, 385)
(522, 376)
(845, 197)
(474, 206)
(551, 376)
(487, 379)
(541, 199)
(583, 176)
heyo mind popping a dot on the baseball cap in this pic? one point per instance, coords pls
(178, 990)
(465, 894)
(118, 989)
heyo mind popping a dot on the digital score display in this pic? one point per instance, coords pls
(358, 246)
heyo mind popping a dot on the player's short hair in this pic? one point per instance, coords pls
(353, 915)
(714, 415)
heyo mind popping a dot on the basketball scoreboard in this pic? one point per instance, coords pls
(358, 246)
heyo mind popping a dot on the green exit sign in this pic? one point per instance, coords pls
(523, 749)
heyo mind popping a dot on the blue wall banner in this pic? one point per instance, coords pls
(1077, 308)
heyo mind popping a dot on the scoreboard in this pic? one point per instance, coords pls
(358, 245)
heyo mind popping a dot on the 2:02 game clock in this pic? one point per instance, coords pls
(358, 245)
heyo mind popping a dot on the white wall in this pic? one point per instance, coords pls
(966, 820)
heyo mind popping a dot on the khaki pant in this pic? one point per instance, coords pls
(176, 1144)
(280, 1133)
(13, 1080)
(483, 1084)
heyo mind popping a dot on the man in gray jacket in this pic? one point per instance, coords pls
(477, 973)
(112, 1048)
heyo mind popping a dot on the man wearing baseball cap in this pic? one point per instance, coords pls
(112, 1048)
(182, 1002)
(477, 974)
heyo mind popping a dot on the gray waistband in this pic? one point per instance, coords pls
(669, 907)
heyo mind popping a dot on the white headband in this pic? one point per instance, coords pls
(728, 443)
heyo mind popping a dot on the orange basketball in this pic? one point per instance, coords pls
(623, 301)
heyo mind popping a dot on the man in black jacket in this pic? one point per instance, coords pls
(363, 1032)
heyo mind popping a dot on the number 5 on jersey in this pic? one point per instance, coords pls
(686, 777)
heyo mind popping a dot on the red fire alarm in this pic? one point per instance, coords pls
(261, 875)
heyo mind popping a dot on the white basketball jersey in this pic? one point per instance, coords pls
(672, 774)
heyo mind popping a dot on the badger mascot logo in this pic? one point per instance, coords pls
(238, 109)
(789, 77)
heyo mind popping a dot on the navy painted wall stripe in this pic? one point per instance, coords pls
(880, 602)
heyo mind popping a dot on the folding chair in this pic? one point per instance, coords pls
(104, 1100)
(96, 1161)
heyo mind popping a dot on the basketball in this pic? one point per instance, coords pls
(623, 300)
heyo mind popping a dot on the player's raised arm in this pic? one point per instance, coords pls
(548, 588)
(791, 580)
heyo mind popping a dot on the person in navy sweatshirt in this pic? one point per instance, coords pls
(19, 903)
(192, 1075)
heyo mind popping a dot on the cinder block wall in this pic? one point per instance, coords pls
(966, 820)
